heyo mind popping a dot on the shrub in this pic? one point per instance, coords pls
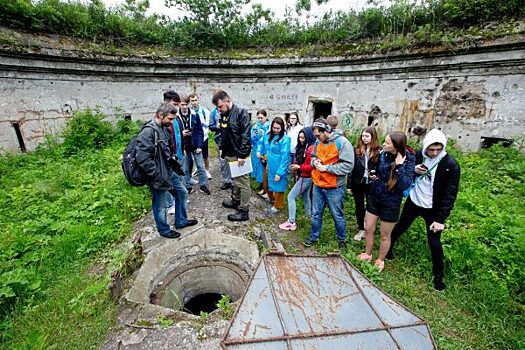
(87, 130)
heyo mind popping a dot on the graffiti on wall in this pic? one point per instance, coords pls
(347, 120)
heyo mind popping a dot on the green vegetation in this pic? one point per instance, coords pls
(224, 304)
(67, 207)
(63, 210)
(483, 306)
(220, 25)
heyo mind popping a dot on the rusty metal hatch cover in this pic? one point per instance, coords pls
(305, 302)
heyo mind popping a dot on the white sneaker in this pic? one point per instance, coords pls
(194, 173)
(194, 182)
(359, 235)
(171, 210)
(208, 175)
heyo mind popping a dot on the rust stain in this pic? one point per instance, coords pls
(408, 115)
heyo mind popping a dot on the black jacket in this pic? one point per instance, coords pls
(155, 164)
(358, 172)
(235, 138)
(446, 186)
(405, 177)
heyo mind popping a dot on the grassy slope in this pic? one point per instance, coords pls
(63, 215)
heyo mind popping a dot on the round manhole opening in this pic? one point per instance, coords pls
(202, 303)
(199, 287)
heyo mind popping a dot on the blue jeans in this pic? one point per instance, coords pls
(169, 201)
(333, 197)
(199, 162)
(180, 196)
(301, 188)
(158, 204)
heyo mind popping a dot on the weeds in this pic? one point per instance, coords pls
(225, 306)
(484, 302)
(63, 208)
(165, 322)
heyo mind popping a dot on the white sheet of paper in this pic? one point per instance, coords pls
(237, 170)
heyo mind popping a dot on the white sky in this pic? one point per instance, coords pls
(277, 6)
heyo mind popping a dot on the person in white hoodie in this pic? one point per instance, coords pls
(432, 197)
(293, 127)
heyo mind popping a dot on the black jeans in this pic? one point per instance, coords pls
(408, 215)
(359, 193)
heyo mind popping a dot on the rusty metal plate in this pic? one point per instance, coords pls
(301, 302)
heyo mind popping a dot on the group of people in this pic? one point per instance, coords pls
(319, 164)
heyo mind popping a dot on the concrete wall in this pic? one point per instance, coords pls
(469, 95)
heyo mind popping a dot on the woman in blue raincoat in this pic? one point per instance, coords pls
(259, 129)
(276, 147)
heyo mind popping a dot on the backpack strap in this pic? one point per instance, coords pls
(155, 136)
(338, 143)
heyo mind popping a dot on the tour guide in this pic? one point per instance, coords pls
(235, 146)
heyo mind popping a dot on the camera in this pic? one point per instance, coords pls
(176, 165)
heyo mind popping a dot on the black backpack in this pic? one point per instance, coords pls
(132, 171)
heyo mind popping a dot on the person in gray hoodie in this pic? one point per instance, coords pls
(333, 160)
(432, 197)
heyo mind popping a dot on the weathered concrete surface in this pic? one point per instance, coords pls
(138, 323)
(466, 94)
(198, 246)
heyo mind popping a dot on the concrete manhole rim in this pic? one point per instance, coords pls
(157, 294)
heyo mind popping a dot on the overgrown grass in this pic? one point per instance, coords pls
(483, 306)
(62, 211)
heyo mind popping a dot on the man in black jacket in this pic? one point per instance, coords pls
(432, 197)
(153, 154)
(235, 147)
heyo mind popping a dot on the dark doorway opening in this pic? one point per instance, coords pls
(487, 142)
(322, 109)
(203, 302)
(19, 136)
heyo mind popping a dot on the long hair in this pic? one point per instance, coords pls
(288, 125)
(373, 146)
(300, 149)
(280, 121)
(399, 141)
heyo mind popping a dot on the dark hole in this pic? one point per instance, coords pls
(19, 136)
(370, 120)
(322, 109)
(203, 302)
(127, 116)
(487, 142)
(250, 115)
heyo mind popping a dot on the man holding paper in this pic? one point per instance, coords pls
(235, 147)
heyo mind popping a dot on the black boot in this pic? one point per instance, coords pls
(438, 283)
(232, 204)
(226, 186)
(240, 215)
